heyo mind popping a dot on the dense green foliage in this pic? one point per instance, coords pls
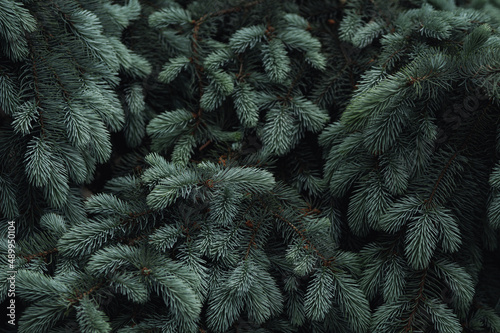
(251, 166)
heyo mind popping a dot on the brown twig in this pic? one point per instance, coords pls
(40, 254)
(196, 31)
(308, 245)
(79, 295)
(418, 299)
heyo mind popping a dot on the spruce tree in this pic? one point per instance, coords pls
(250, 166)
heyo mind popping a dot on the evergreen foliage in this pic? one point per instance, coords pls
(251, 166)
